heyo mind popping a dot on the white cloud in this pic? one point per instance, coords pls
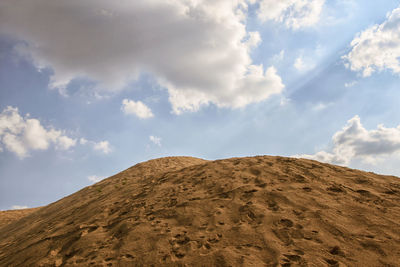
(303, 64)
(377, 48)
(14, 144)
(356, 142)
(350, 84)
(155, 140)
(199, 50)
(255, 79)
(65, 142)
(18, 207)
(307, 60)
(294, 14)
(103, 146)
(321, 106)
(279, 57)
(284, 101)
(95, 178)
(299, 64)
(83, 141)
(254, 39)
(137, 108)
(21, 134)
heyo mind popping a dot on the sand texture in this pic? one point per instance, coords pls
(182, 211)
(9, 216)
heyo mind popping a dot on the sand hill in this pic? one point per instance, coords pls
(9, 216)
(182, 211)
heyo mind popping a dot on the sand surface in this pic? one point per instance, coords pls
(9, 216)
(182, 211)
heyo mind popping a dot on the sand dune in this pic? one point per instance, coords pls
(182, 211)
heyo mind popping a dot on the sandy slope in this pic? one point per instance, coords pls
(9, 216)
(259, 211)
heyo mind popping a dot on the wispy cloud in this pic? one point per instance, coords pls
(279, 57)
(18, 207)
(294, 14)
(350, 84)
(321, 106)
(303, 64)
(155, 140)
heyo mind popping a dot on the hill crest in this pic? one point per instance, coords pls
(241, 211)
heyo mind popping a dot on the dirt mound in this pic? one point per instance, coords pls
(258, 211)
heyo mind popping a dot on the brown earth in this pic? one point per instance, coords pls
(9, 216)
(182, 211)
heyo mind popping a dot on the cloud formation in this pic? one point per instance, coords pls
(22, 134)
(155, 140)
(295, 14)
(137, 108)
(377, 48)
(356, 142)
(102, 146)
(303, 64)
(199, 50)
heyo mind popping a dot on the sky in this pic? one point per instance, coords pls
(89, 88)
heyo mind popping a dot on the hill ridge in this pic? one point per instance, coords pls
(262, 210)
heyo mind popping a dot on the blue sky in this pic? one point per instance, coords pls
(89, 88)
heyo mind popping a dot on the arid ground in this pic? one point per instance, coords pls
(183, 211)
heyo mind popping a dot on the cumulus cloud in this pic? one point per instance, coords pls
(137, 108)
(103, 146)
(377, 48)
(95, 178)
(295, 14)
(18, 207)
(65, 142)
(20, 134)
(356, 142)
(199, 50)
(155, 140)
